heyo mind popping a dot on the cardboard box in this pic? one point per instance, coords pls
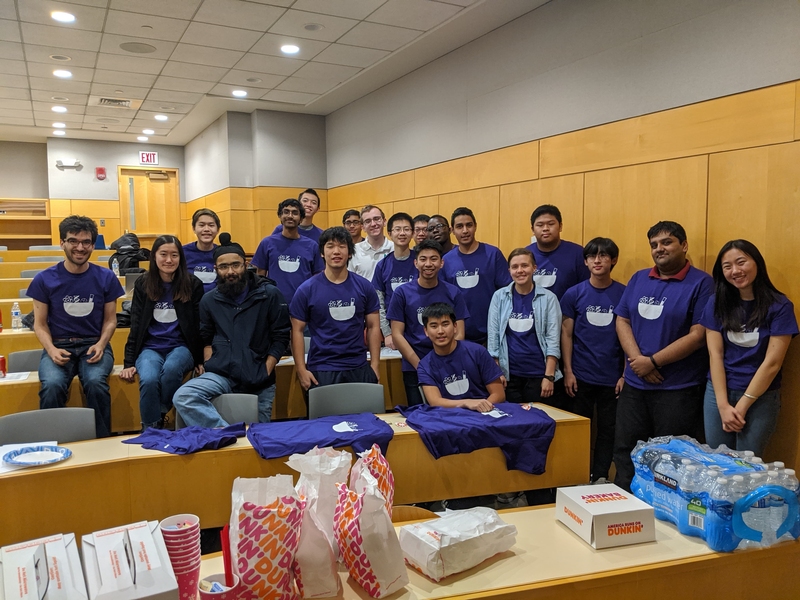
(605, 515)
(44, 569)
(128, 563)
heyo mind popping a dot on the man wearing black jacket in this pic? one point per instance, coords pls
(244, 326)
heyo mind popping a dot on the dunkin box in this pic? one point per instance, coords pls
(44, 569)
(605, 515)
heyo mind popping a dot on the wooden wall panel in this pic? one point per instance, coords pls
(96, 209)
(797, 112)
(624, 203)
(441, 178)
(754, 118)
(60, 208)
(241, 198)
(485, 203)
(399, 186)
(428, 205)
(267, 221)
(219, 201)
(243, 228)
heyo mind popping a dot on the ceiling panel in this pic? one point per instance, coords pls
(241, 78)
(217, 36)
(105, 127)
(119, 91)
(315, 70)
(294, 22)
(6, 104)
(51, 117)
(7, 10)
(46, 71)
(177, 84)
(15, 93)
(11, 50)
(123, 78)
(382, 37)
(59, 85)
(44, 107)
(135, 64)
(202, 55)
(45, 96)
(133, 128)
(313, 86)
(182, 9)
(45, 35)
(15, 81)
(271, 43)
(38, 11)
(13, 121)
(352, 9)
(145, 26)
(150, 116)
(111, 43)
(9, 31)
(190, 71)
(155, 105)
(78, 58)
(289, 97)
(119, 120)
(173, 96)
(353, 56)
(234, 13)
(414, 14)
(225, 89)
(260, 63)
(13, 67)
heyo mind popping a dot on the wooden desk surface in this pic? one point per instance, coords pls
(549, 561)
(107, 483)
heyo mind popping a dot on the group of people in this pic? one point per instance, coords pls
(674, 352)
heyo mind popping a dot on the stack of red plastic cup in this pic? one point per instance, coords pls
(182, 539)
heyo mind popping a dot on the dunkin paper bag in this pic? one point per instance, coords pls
(266, 517)
(367, 541)
(374, 462)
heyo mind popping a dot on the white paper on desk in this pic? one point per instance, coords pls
(5, 467)
(15, 377)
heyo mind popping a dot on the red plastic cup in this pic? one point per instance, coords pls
(229, 594)
(183, 545)
(178, 561)
(187, 583)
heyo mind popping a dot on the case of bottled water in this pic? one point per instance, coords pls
(729, 499)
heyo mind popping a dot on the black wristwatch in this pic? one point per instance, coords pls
(550, 378)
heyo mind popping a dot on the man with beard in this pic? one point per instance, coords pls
(75, 310)
(244, 325)
(287, 257)
(375, 247)
(439, 232)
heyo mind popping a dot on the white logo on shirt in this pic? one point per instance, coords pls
(346, 426)
(650, 308)
(467, 280)
(496, 413)
(396, 282)
(455, 385)
(545, 278)
(599, 316)
(744, 339)
(341, 311)
(204, 274)
(288, 264)
(75, 306)
(164, 312)
(520, 322)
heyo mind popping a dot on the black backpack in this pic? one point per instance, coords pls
(128, 254)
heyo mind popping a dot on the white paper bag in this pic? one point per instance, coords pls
(456, 542)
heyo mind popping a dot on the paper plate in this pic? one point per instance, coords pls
(37, 455)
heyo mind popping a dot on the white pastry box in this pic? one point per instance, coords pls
(605, 515)
(44, 569)
(128, 563)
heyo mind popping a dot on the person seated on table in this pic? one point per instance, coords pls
(164, 340)
(75, 315)
(244, 326)
(458, 373)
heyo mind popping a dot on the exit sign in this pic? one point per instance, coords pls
(148, 158)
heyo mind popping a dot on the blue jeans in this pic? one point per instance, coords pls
(160, 376)
(193, 400)
(55, 380)
(761, 421)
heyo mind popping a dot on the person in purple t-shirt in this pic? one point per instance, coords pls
(200, 254)
(458, 373)
(310, 201)
(439, 232)
(559, 264)
(749, 325)
(405, 313)
(658, 324)
(75, 315)
(336, 304)
(286, 257)
(593, 358)
(477, 268)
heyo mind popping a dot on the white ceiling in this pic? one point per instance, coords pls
(199, 51)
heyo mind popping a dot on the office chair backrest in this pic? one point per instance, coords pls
(61, 424)
(24, 360)
(345, 399)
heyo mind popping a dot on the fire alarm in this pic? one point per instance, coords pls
(100, 173)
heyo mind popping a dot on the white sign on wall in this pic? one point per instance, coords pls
(148, 158)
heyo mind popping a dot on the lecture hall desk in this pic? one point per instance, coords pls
(107, 483)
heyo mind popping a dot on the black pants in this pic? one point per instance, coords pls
(529, 389)
(363, 374)
(411, 383)
(642, 414)
(584, 402)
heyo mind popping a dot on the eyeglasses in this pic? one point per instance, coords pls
(373, 220)
(83, 243)
(421, 229)
(352, 223)
(435, 228)
(225, 267)
(401, 230)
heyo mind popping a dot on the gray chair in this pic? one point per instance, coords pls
(1, 259)
(44, 247)
(345, 399)
(45, 258)
(24, 360)
(3, 248)
(23, 293)
(29, 273)
(60, 424)
(234, 408)
(103, 258)
(306, 344)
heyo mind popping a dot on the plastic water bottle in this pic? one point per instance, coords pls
(115, 267)
(16, 317)
(789, 481)
(775, 502)
(759, 513)
(691, 520)
(719, 528)
(739, 489)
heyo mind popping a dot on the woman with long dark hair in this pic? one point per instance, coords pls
(749, 325)
(164, 341)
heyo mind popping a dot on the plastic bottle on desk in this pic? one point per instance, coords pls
(692, 516)
(16, 317)
(758, 517)
(775, 502)
(115, 267)
(719, 524)
(789, 481)
(739, 489)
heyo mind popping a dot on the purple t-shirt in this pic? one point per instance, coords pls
(312, 232)
(559, 269)
(201, 263)
(597, 357)
(743, 352)
(461, 375)
(662, 311)
(289, 262)
(391, 273)
(526, 358)
(164, 333)
(410, 300)
(336, 317)
(479, 275)
(75, 302)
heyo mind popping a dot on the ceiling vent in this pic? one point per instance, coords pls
(124, 103)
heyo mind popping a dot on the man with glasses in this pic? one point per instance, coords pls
(439, 232)
(288, 258)
(75, 315)
(352, 222)
(310, 201)
(244, 325)
(375, 247)
(421, 228)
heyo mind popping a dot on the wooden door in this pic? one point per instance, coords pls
(149, 202)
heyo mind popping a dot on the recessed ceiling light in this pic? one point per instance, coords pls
(59, 132)
(59, 125)
(118, 92)
(59, 98)
(60, 57)
(59, 109)
(313, 26)
(161, 117)
(166, 108)
(62, 17)
(137, 47)
(62, 73)
(254, 80)
(148, 131)
(239, 93)
(290, 49)
(142, 138)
